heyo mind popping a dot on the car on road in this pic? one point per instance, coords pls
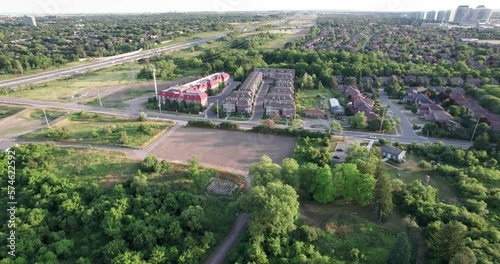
(336, 157)
(372, 137)
(339, 149)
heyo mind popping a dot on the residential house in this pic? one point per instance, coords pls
(393, 153)
(242, 100)
(456, 81)
(476, 82)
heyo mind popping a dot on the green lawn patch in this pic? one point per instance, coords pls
(7, 110)
(102, 129)
(345, 233)
(52, 114)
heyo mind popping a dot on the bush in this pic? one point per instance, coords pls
(123, 137)
(93, 134)
(58, 133)
(229, 125)
(424, 164)
(142, 117)
(146, 129)
(415, 127)
(201, 123)
(150, 164)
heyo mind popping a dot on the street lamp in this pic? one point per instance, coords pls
(477, 123)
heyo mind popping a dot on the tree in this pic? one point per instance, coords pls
(323, 185)
(193, 217)
(274, 209)
(482, 142)
(269, 123)
(358, 120)
(142, 117)
(448, 240)
(383, 196)
(264, 171)
(337, 127)
(464, 256)
(290, 172)
(149, 164)
(414, 108)
(401, 252)
(296, 123)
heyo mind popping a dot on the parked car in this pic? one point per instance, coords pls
(336, 157)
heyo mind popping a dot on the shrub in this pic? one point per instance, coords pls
(424, 164)
(93, 134)
(142, 117)
(229, 125)
(150, 164)
(123, 137)
(201, 123)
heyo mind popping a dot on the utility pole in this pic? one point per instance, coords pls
(382, 122)
(156, 88)
(46, 120)
(473, 133)
(217, 108)
(99, 93)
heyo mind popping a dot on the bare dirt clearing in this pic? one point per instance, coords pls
(225, 149)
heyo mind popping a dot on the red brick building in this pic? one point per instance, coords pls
(194, 92)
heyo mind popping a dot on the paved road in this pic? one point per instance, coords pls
(406, 126)
(104, 63)
(258, 109)
(225, 246)
(212, 100)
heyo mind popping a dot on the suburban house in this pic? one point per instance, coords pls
(426, 107)
(195, 91)
(242, 100)
(456, 81)
(474, 109)
(393, 153)
(360, 102)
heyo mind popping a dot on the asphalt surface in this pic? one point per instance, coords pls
(101, 63)
(258, 108)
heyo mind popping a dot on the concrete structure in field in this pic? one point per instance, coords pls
(393, 153)
(194, 92)
(29, 20)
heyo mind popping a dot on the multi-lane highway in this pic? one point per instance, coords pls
(102, 63)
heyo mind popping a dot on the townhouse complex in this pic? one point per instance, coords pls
(279, 99)
(195, 91)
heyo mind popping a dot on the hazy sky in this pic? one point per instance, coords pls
(133, 6)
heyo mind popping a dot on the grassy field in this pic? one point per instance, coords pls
(315, 99)
(101, 129)
(347, 225)
(74, 87)
(7, 110)
(88, 164)
(409, 172)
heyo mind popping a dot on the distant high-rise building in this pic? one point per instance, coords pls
(480, 14)
(418, 15)
(29, 20)
(495, 17)
(460, 13)
(430, 16)
(444, 16)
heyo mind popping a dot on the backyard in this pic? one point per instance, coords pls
(315, 99)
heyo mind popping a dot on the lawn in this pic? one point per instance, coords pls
(75, 87)
(117, 99)
(7, 110)
(101, 129)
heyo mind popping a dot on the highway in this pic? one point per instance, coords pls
(101, 63)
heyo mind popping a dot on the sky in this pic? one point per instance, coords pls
(47, 7)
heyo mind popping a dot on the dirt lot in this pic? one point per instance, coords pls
(226, 149)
